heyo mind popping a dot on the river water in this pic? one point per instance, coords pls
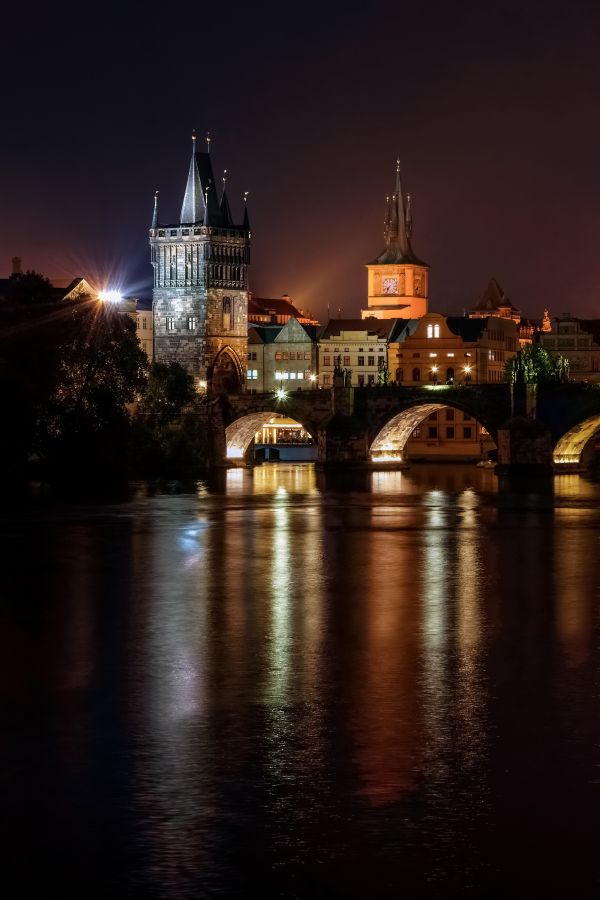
(279, 684)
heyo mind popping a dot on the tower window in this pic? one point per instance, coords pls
(192, 323)
(170, 323)
(227, 314)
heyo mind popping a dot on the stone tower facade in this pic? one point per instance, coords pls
(398, 282)
(200, 296)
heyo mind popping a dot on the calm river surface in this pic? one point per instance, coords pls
(384, 688)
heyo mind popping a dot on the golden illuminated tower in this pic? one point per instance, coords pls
(397, 279)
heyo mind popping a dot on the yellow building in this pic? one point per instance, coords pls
(437, 349)
(397, 281)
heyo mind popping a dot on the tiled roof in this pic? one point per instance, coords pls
(376, 328)
(493, 298)
(468, 329)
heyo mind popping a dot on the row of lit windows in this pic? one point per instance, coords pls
(144, 322)
(347, 360)
(283, 355)
(192, 323)
(362, 380)
(292, 376)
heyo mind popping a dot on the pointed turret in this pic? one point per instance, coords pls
(408, 217)
(155, 213)
(224, 209)
(193, 208)
(206, 219)
(246, 222)
(402, 237)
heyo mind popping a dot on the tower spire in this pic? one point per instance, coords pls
(246, 223)
(386, 221)
(208, 141)
(408, 217)
(401, 235)
(192, 209)
(155, 213)
(206, 220)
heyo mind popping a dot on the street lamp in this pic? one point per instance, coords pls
(467, 374)
(434, 371)
(312, 378)
(281, 394)
(110, 296)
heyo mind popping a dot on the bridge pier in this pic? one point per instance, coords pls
(524, 448)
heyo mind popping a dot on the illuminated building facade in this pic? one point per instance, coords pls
(397, 280)
(360, 345)
(579, 341)
(145, 327)
(278, 311)
(437, 349)
(201, 283)
(282, 356)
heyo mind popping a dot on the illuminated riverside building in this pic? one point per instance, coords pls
(282, 356)
(579, 341)
(262, 311)
(437, 349)
(397, 280)
(360, 344)
(494, 302)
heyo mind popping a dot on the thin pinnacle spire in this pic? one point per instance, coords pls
(155, 213)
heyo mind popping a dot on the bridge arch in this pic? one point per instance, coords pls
(240, 432)
(390, 437)
(570, 448)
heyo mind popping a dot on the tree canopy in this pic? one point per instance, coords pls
(535, 365)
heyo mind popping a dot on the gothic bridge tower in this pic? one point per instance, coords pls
(200, 293)
(397, 278)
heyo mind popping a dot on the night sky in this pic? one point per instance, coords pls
(492, 107)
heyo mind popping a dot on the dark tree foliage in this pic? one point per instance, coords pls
(102, 368)
(30, 289)
(168, 438)
(169, 390)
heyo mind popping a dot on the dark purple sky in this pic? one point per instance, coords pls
(494, 109)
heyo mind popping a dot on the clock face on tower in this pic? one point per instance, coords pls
(390, 285)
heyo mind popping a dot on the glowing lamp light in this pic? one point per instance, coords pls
(281, 394)
(202, 385)
(110, 296)
(467, 369)
(313, 377)
(434, 368)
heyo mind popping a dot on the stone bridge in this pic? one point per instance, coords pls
(533, 427)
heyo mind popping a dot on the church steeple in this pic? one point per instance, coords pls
(193, 207)
(398, 227)
(155, 213)
(246, 222)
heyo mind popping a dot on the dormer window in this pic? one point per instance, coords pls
(433, 331)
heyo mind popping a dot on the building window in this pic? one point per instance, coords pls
(361, 380)
(284, 355)
(192, 323)
(433, 331)
(137, 323)
(449, 376)
(227, 314)
(293, 376)
(361, 360)
(449, 415)
(326, 360)
(380, 360)
(416, 375)
(252, 355)
(306, 355)
(170, 323)
(450, 432)
(326, 379)
(252, 374)
(370, 379)
(416, 355)
(416, 432)
(370, 360)
(432, 431)
(346, 360)
(467, 432)
(399, 375)
(144, 323)
(278, 356)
